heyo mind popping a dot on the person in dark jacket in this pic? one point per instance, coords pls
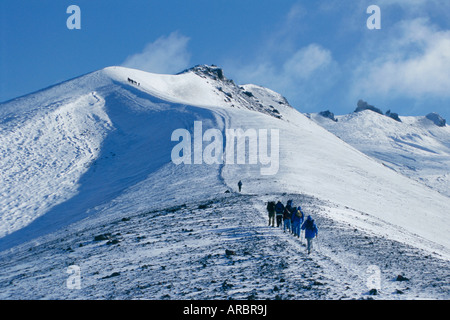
(240, 185)
(271, 211)
(293, 211)
(287, 218)
(288, 214)
(279, 210)
(311, 232)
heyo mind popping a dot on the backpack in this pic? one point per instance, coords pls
(279, 208)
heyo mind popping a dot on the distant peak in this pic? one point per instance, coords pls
(329, 115)
(436, 118)
(210, 71)
(363, 105)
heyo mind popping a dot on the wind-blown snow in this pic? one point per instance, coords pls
(42, 162)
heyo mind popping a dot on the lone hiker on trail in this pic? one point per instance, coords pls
(240, 185)
(311, 231)
(271, 211)
(279, 209)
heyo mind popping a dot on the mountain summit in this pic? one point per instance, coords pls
(212, 71)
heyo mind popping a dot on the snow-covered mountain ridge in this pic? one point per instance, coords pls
(418, 147)
(39, 172)
(92, 156)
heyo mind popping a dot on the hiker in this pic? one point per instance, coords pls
(271, 211)
(297, 220)
(311, 231)
(240, 185)
(287, 217)
(289, 208)
(279, 209)
(289, 204)
(293, 212)
(133, 81)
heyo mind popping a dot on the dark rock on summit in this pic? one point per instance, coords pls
(437, 119)
(328, 114)
(362, 105)
(212, 71)
(393, 115)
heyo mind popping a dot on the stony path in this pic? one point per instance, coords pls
(219, 249)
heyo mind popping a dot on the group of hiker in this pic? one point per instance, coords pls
(133, 82)
(292, 219)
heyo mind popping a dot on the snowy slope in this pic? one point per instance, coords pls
(80, 149)
(94, 137)
(415, 146)
(93, 153)
(314, 162)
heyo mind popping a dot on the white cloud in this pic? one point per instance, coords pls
(301, 66)
(303, 76)
(307, 61)
(164, 55)
(289, 62)
(412, 5)
(415, 63)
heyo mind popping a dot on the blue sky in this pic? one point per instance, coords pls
(319, 54)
